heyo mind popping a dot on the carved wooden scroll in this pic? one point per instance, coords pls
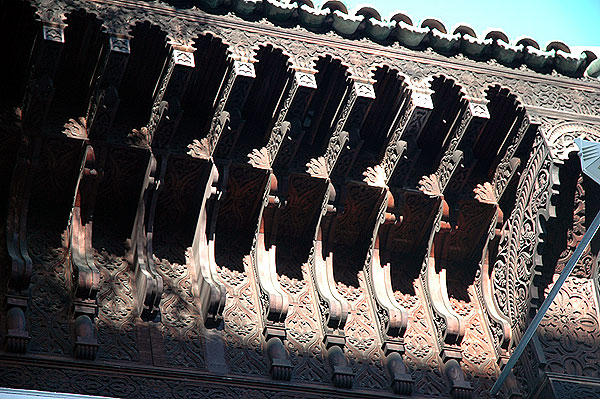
(40, 86)
(164, 120)
(225, 125)
(391, 316)
(287, 125)
(333, 307)
(20, 265)
(208, 289)
(85, 273)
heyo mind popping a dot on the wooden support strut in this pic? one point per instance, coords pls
(40, 87)
(93, 130)
(464, 134)
(287, 122)
(450, 328)
(20, 264)
(225, 124)
(333, 307)
(36, 102)
(164, 120)
(391, 316)
(105, 99)
(81, 255)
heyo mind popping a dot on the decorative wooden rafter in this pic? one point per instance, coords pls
(391, 316)
(225, 125)
(164, 120)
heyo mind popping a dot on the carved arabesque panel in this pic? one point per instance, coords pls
(479, 361)
(181, 324)
(363, 347)
(116, 303)
(569, 331)
(422, 354)
(303, 328)
(242, 332)
(522, 234)
(49, 311)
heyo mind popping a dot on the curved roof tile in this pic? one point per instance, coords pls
(367, 21)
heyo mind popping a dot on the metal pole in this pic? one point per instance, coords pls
(587, 237)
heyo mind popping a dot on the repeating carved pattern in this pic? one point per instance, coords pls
(478, 360)
(116, 303)
(567, 389)
(421, 353)
(362, 343)
(133, 386)
(521, 235)
(303, 329)
(183, 27)
(575, 233)
(241, 315)
(568, 333)
(49, 313)
(180, 322)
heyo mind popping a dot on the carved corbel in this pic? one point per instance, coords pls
(332, 306)
(225, 125)
(40, 87)
(226, 122)
(458, 162)
(86, 276)
(274, 300)
(107, 77)
(360, 95)
(499, 325)
(208, 290)
(164, 120)
(449, 328)
(149, 284)
(405, 132)
(287, 125)
(392, 318)
(19, 267)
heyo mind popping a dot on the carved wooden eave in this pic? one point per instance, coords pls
(273, 201)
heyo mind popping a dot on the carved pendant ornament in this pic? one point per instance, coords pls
(202, 200)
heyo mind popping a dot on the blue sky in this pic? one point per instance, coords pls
(576, 22)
